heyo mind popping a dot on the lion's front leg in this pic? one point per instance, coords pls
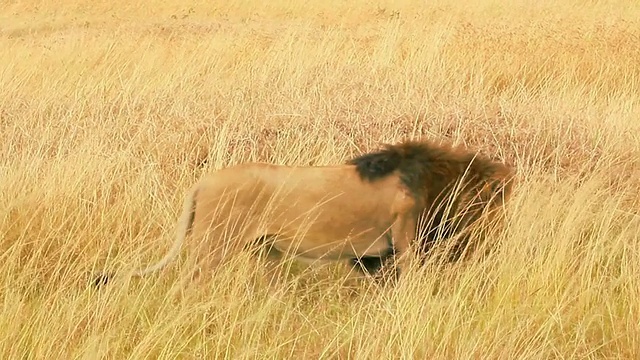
(403, 230)
(403, 233)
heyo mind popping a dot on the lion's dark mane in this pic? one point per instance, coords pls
(431, 171)
(420, 163)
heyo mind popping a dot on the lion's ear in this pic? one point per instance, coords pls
(498, 182)
(496, 185)
(501, 183)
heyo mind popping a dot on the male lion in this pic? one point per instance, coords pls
(361, 212)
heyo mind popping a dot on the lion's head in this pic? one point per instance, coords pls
(455, 186)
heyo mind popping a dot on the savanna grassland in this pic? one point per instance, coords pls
(110, 110)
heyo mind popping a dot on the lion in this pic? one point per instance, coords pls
(362, 212)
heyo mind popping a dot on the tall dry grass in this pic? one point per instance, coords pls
(110, 110)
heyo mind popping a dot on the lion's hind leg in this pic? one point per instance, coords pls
(268, 258)
(216, 245)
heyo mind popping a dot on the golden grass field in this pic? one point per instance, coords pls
(110, 110)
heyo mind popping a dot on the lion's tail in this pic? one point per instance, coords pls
(183, 230)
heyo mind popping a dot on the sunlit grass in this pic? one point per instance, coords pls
(109, 111)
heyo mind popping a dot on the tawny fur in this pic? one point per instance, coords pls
(364, 210)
